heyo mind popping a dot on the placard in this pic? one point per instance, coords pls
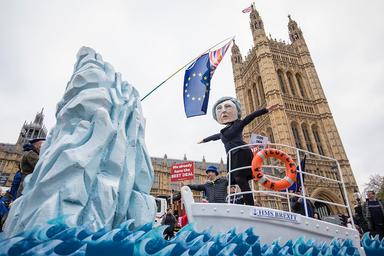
(182, 171)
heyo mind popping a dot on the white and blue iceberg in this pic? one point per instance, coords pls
(94, 167)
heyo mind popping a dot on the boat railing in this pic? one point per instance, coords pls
(296, 154)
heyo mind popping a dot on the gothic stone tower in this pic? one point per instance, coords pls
(10, 154)
(32, 130)
(275, 72)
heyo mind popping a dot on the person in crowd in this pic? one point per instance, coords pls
(343, 219)
(297, 205)
(170, 220)
(227, 111)
(5, 201)
(8, 198)
(15, 184)
(373, 212)
(359, 219)
(235, 199)
(215, 189)
(29, 160)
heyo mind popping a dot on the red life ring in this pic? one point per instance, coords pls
(258, 175)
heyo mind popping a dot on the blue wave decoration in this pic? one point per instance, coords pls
(57, 238)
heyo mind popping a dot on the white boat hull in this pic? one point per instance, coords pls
(268, 223)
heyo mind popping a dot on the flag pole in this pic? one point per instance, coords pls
(177, 71)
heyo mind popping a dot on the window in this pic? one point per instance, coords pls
(306, 138)
(270, 135)
(317, 139)
(250, 101)
(291, 84)
(156, 181)
(176, 186)
(300, 84)
(261, 90)
(281, 81)
(255, 90)
(284, 206)
(322, 209)
(296, 136)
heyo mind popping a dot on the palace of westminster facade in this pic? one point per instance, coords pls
(273, 72)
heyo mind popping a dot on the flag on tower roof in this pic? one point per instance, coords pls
(248, 9)
(197, 81)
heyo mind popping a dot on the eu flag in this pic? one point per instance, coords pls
(197, 81)
(296, 187)
(196, 87)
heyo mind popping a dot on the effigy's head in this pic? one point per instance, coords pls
(226, 110)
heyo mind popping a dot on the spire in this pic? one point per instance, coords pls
(185, 157)
(254, 12)
(295, 32)
(256, 24)
(39, 118)
(237, 60)
(236, 55)
(31, 130)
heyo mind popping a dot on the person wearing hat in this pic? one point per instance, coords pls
(29, 160)
(227, 111)
(215, 188)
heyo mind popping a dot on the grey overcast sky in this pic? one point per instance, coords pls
(148, 40)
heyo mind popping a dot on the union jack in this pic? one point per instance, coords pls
(248, 9)
(216, 56)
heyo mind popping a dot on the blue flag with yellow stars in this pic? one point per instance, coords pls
(197, 81)
(196, 88)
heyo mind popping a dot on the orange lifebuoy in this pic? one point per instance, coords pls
(258, 175)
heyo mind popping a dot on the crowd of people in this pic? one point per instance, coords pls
(31, 151)
(369, 215)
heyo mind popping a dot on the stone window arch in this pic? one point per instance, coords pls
(280, 76)
(256, 93)
(250, 101)
(291, 83)
(307, 139)
(296, 137)
(316, 135)
(299, 80)
(261, 90)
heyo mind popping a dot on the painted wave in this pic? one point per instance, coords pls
(57, 238)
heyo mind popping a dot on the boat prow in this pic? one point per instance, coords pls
(269, 224)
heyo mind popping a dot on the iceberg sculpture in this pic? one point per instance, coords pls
(94, 168)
